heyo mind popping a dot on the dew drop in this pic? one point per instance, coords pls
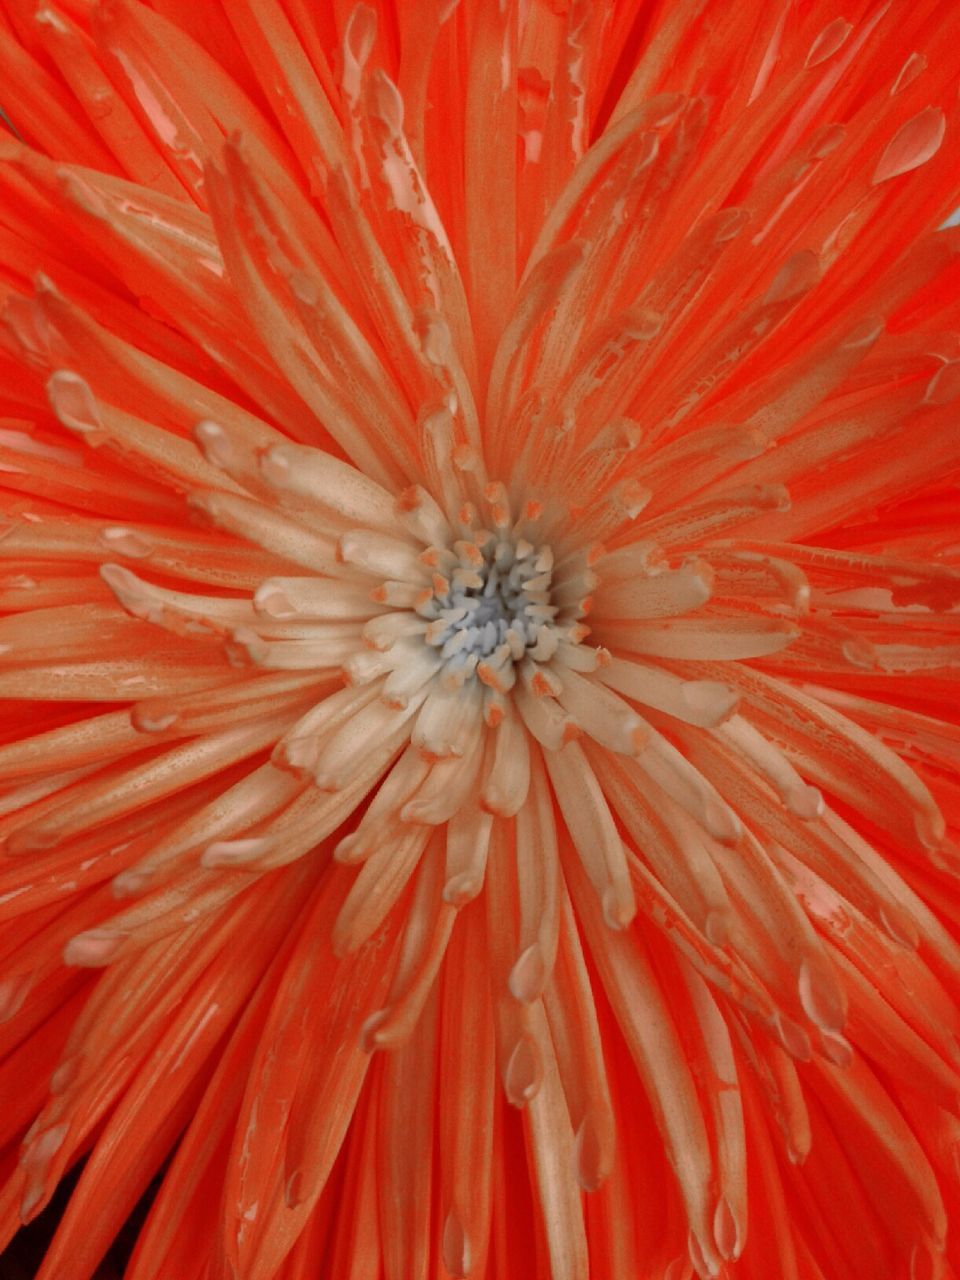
(594, 1154)
(726, 1231)
(913, 66)
(793, 1038)
(126, 542)
(914, 144)
(705, 1266)
(836, 1048)
(456, 1246)
(796, 276)
(524, 1073)
(833, 36)
(65, 1074)
(528, 975)
(73, 402)
(944, 386)
(93, 949)
(369, 1041)
(820, 995)
(293, 1191)
(13, 992)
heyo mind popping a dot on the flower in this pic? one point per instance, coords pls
(479, 653)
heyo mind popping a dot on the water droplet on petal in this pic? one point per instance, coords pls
(73, 402)
(13, 992)
(462, 888)
(293, 1191)
(826, 140)
(821, 995)
(831, 38)
(793, 1038)
(913, 145)
(901, 928)
(456, 1246)
(913, 66)
(92, 949)
(836, 1048)
(273, 601)
(129, 883)
(528, 975)
(717, 928)
(215, 443)
(593, 1148)
(619, 905)
(368, 1032)
(126, 542)
(805, 802)
(524, 1073)
(944, 386)
(705, 1265)
(726, 1230)
(797, 275)
(65, 1074)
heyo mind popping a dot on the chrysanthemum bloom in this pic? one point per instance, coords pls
(480, 646)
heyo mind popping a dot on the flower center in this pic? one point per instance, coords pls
(477, 603)
(494, 603)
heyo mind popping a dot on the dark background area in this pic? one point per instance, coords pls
(22, 1258)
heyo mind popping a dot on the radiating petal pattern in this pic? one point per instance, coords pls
(479, 646)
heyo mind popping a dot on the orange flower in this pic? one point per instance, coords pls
(479, 655)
